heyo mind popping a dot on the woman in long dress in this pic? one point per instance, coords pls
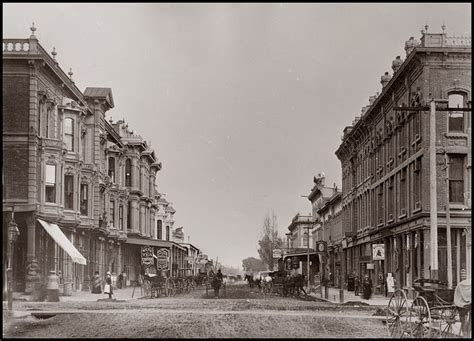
(108, 285)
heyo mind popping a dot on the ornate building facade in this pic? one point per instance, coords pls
(385, 161)
(81, 190)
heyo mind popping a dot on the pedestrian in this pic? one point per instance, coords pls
(120, 281)
(124, 276)
(390, 284)
(108, 285)
(96, 283)
(356, 285)
(367, 287)
(217, 282)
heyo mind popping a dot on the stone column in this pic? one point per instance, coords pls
(426, 253)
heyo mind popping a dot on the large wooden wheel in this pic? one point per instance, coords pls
(448, 317)
(420, 318)
(397, 315)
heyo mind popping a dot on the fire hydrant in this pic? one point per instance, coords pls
(52, 287)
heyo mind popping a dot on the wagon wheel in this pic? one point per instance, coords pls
(448, 317)
(146, 287)
(397, 315)
(420, 318)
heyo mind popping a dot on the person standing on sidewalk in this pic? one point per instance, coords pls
(356, 285)
(108, 285)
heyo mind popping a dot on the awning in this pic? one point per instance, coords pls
(55, 232)
(299, 254)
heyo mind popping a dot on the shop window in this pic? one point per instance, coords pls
(456, 179)
(456, 118)
(84, 199)
(69, 133)
(50, 183)
(128, 173)
(69, 192)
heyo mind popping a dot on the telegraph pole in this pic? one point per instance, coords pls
(448, 226)
(433, 192)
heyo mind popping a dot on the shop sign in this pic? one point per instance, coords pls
(147, 255)
(378, 251)
(162, 259)
(370, 266)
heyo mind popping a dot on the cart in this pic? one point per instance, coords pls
(431, 314)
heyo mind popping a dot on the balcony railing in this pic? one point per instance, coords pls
(462, 41)
(16, 46)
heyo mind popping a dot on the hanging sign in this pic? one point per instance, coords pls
(163, 259)
(277, 253)
(378, 251)
(147, 255)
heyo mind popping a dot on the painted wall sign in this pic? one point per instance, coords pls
(378, 251)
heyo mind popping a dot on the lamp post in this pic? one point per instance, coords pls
(13, 234)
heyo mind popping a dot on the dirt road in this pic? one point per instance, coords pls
(246, 314)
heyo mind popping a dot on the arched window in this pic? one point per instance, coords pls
(167, 233)
(128, 173)
(159, 227)
(69, 133)
(456, 118)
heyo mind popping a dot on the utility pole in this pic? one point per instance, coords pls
(448, 226)
(307, 260)
(433, 199)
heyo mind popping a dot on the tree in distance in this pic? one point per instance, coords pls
(269, 241)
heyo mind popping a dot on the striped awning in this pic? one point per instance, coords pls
(60, 238)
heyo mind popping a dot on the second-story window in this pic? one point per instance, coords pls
(121, 217)
(456, 178)
(159, 227)
(129, 216)
(128, 173)
(111, 172)
(167, 233)
(84, 199)
(112, 213)
(69, 133)
(50, 183)
(456, 118)
(69, 192)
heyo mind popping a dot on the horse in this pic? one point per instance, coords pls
(250, 281)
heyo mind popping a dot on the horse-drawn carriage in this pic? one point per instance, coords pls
(156, 286)
(433, 312)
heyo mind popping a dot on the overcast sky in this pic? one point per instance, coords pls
(243, 103)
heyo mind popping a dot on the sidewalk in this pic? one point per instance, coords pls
(333, 296)
(84, 296)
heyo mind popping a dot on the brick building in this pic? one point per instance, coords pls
(385, 161)
(82, 189)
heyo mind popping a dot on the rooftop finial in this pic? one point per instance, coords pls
(54, 53)
(443, 27)
(426, 28)
(33, 29)
(70, 73)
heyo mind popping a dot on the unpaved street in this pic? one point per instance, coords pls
(244, 313)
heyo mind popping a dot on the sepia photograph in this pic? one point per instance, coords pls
(237, 170)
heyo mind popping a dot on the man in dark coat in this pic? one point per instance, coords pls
(217, 282)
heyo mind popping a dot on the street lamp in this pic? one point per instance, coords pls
(13, 234)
